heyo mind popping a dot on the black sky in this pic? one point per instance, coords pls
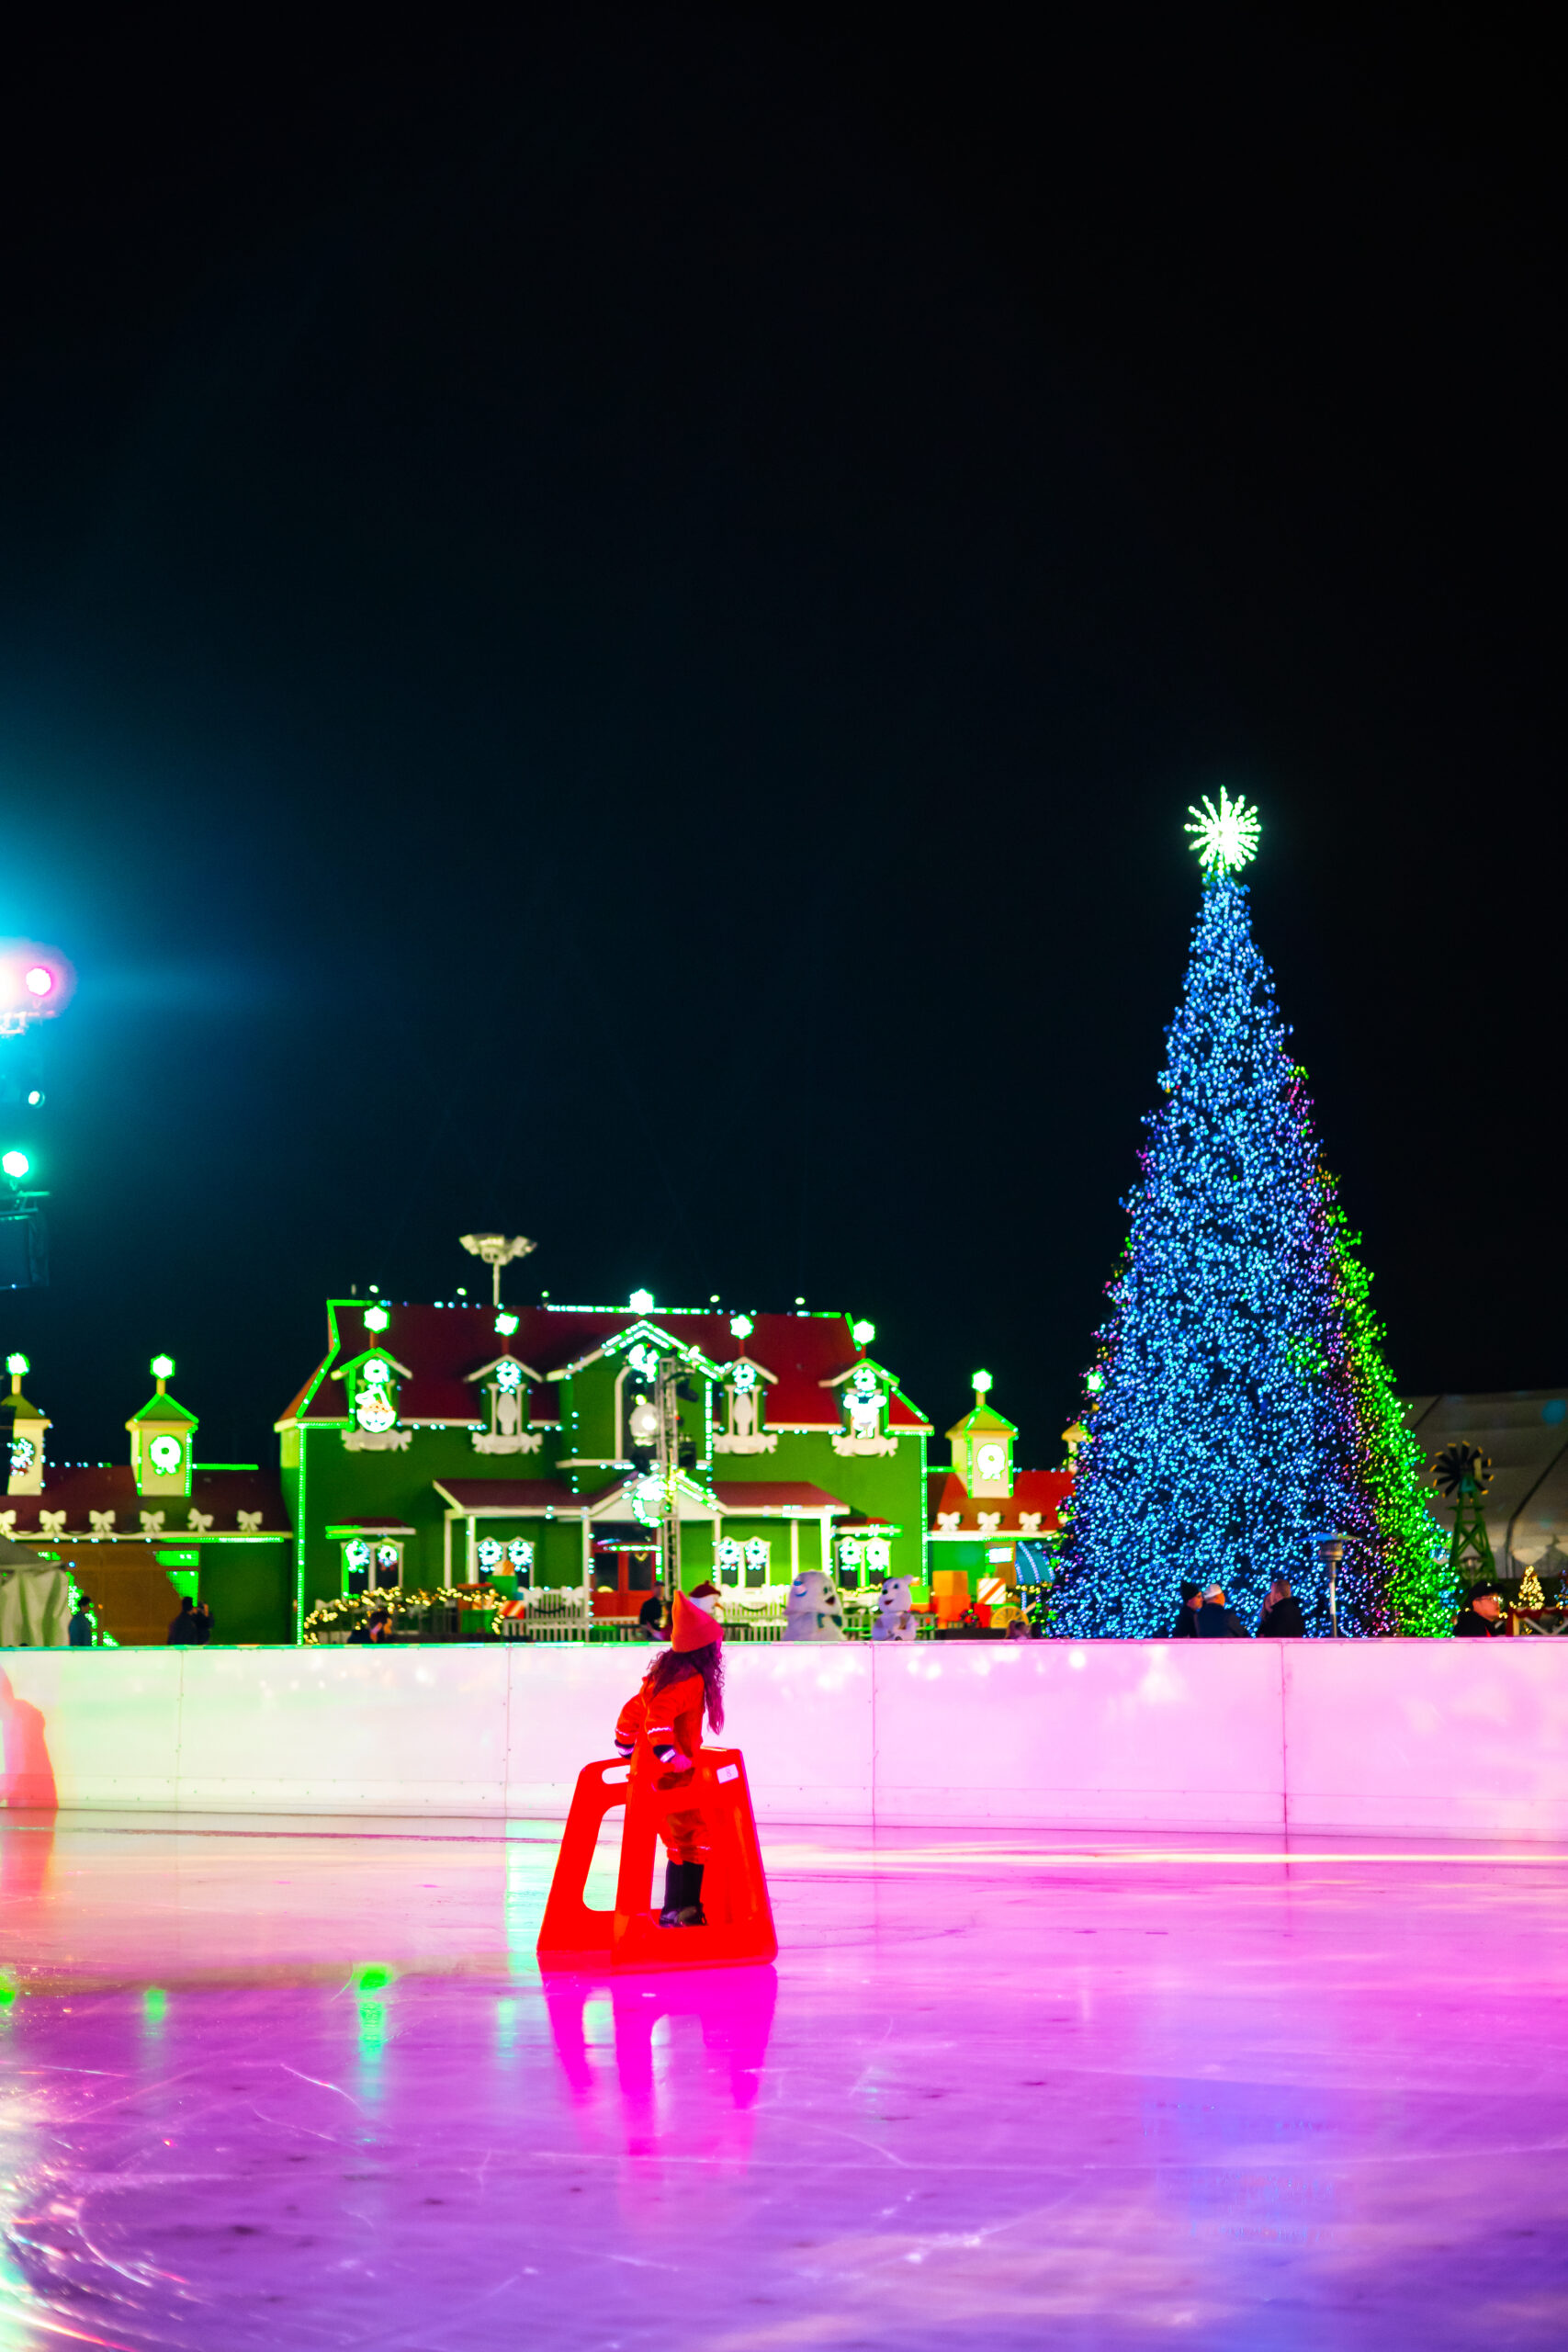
(605, 629)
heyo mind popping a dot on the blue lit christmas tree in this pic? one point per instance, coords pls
(1240, 1407)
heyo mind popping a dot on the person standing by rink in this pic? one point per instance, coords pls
(661, 1730)
(1482, 1619)
(1282, 1619)
(1186, 1625)
(1217, 1618)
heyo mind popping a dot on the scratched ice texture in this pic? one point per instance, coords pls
(285, 2083)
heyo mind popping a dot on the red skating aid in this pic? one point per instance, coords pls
(735, 1889)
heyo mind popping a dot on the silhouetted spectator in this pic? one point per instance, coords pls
(1215, 1621)
(1483, 1616)
(80, 1632)
(1186, 1615)
(185, 1631)
(1282, 1619)
(653, 1618)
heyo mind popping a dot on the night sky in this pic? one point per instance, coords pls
(606, 630)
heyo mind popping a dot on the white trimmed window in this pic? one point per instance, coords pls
(742, 1564)
(372, 1564)
(496, 1559)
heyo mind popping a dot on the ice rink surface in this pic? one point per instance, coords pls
(283, 2082)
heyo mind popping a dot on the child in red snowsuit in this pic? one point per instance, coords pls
(661, 1731)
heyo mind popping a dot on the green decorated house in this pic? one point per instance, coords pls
(442, 1445)
(138, 1534)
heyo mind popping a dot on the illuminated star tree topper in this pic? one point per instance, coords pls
(1224, 838)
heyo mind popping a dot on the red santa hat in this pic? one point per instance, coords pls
(693, 1628)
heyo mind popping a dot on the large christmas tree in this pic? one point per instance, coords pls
(1240, 1407)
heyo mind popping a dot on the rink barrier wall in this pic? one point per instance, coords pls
(1455, 1738)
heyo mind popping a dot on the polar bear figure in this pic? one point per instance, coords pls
(894, 1618)
(813, 1612)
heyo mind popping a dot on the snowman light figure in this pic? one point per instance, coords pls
(508, 1399)
(862, 1401)
(374, 1408)
(743, 1401)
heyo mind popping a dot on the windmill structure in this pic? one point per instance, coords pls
(497, 1251)
(1462, 1474)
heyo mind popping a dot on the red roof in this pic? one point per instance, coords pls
(766, 1494)
(1033, 1491)
(510, 1494)
(763, 1495)
(441, 1344)
(220, 1495)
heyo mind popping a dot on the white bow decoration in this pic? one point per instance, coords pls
(1030, 1521)
(7, 1522)
(152, 1523)
(990, 1521)
(947, 1521)
(249, 1522)
(52, 1522)
(101, 1522)
(199, 1520)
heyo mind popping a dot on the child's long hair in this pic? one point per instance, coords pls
(708, 1662)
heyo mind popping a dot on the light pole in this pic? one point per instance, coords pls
(1331, 1548)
